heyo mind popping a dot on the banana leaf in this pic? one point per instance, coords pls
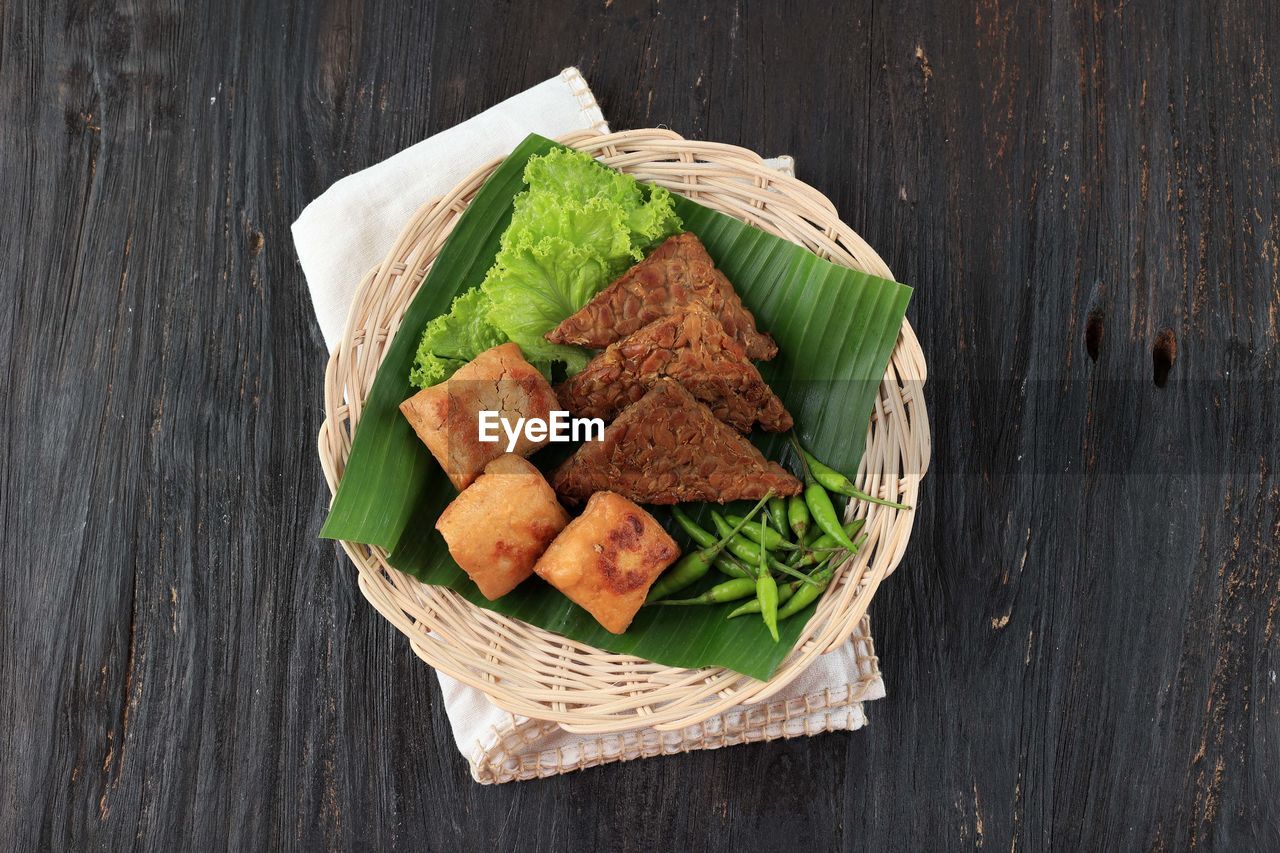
(835, 329)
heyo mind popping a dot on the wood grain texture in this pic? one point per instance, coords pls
(1080, 648)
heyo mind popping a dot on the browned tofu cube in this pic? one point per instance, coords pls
(500, 524)
(447, 416)
(607, 558)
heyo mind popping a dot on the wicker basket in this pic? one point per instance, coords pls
(533, 672)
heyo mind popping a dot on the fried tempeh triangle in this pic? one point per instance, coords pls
(668, 448)
(690, 346)
(675, 274)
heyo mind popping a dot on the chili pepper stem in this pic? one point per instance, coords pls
(730, 565)
(807, 475)
(783, 568)
(724, 540)
(744, 548)
(693, 566)
(833, 480)
(855, 492)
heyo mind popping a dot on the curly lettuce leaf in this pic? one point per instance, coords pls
(653, 221)
(574, 177)
(533, 287)
(577, 227)
(596, 226)
(453, 339)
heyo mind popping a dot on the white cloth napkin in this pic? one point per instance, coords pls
(344, 233)
(347, 230)
(504, 747)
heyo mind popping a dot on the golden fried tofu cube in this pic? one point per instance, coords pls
(607, 558)
(501, 524)
(447, 416)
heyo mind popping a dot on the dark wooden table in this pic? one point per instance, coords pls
(1080, 647)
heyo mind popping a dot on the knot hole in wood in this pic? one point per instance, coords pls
(1163, 355)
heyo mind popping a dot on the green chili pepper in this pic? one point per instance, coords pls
(753, 606)
(797, 516)
(696, 533)
(731, 590)
(833, 480)
(778, 512)
(806, 595)
(819, 502)
(783, 568)
(745, 550)
(824, 514)
(767, 598)
(773, 540)
(766, 588)
(742, 548)
(687, 570)
(821, 547)
(739, 545)
(731, 567)
(692, 567)
(724, 562)
(813, 556)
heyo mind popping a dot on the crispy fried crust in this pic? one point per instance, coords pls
(501, 524)
(607, 558)
(690, 346)
(446, 416)
(675, 274)
(669, 448)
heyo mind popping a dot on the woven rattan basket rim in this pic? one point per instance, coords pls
(530, 671)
